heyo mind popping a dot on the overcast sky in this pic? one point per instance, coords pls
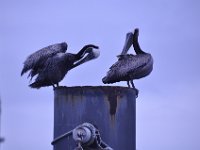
(168, 114)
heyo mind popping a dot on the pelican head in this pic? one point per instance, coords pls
(127, 44)
(130, 37)
(89, 54)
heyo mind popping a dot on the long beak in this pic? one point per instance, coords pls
(128, 43)
(93, 54)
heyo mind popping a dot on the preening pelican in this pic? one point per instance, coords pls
(129, 66)
(51, 63)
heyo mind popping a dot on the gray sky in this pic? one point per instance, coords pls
(168, 115)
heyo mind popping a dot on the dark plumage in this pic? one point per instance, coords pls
(129, 66)
(37, 59)
(51, 63)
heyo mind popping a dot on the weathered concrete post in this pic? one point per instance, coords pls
(111, 109)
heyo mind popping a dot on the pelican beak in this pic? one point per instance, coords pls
(128, 43)
(136, 32)
(92, 54)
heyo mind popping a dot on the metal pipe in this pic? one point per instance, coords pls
(110, 109)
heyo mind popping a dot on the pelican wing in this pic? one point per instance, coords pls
(37, 59)
(54, 70)
(137, 62)
(120, 71)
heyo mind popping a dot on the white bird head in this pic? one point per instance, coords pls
(89, 54)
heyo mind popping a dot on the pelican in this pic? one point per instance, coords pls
(51, 63)
(130, 67)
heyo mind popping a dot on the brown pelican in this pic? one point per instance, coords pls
(51, 63)
(129, 66)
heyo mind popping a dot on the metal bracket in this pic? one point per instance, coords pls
(86, 136)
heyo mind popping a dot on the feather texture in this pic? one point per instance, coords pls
(55, 69)
(36, 60)
(129, 67)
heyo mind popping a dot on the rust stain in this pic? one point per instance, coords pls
(113, 94)
(112, 120)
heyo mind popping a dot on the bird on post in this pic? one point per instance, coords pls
(129, 66)
(50, 64)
